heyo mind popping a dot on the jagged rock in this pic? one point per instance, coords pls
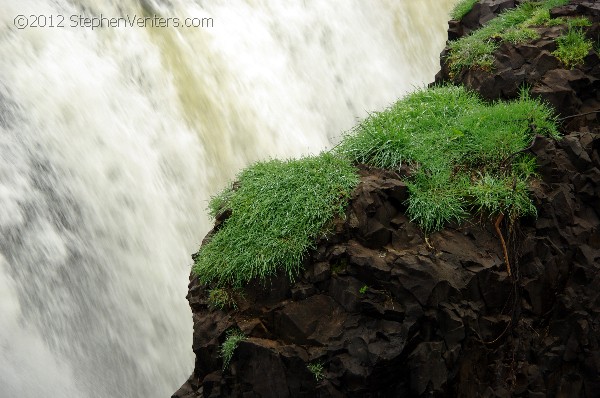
(531, 64)
(482, 12)
(389, 313)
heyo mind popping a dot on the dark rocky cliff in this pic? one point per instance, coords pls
(389, 313)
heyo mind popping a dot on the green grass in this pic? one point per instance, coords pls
(556, 21)
(540, 17)
(573, 47)
(514, 25)
(471, 51)
(578, 22)
(457, 147)
(573, 22)
(278, 211)
(317, 370)
(519, 35)
(221, 298)
(464, 156)
(234, 336)
(462, 8)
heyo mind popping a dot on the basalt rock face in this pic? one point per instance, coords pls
(389, 313)
(531, 64)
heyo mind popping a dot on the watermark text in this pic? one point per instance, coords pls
(102, 21)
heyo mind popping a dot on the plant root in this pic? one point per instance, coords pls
(427, 243)
(504, 250)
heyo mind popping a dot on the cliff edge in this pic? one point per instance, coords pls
(382, 310)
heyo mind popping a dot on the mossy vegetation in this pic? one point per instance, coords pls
(462, 8)
(514, 25)
(573, 47)
(221, 298)
(234, 336)
(465, 156)
(277, 212)
(464, 153)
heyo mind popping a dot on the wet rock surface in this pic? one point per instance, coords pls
(389, 313)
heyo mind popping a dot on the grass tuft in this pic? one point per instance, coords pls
(460, 150)
(556, 22)
(464, 156)
(277, 212)
(573, 47)
(317, 370)
(234, 336)
(540, 17)
(470, 52)
(516, 36)
(221, 298)
(513, 25)
(462, 8)
(578, 22)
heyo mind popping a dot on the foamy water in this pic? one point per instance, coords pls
(113, 139)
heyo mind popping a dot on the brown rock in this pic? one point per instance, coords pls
(387, 313)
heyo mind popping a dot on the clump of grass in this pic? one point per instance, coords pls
(411, 130)
(436, 200)
(317, 370)
(514, 25)
(490, 195)
(221, 298)
(516, 35)
(471, 51)
(556, 22)
(277, 212)
(461, 151)
(540, 17)
(462, 8)
(572, 47)
(578, 22)
(234, 336)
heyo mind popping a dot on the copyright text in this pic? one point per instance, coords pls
(102, 21)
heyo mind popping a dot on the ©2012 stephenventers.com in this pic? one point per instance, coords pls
(102, 21)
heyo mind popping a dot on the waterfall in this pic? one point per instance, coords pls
(113, 139)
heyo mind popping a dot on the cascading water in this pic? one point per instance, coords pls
(113, 139)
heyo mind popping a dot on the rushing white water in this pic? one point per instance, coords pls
(113, 139)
